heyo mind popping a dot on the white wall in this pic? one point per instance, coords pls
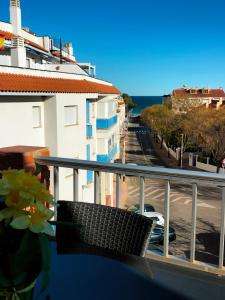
(51, 125)
(6, 26)
(208, 167)
(5, 60)
(16, 122)
(71, 143)
(106, 107)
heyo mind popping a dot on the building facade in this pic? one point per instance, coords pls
(48, 100)
(185, 98)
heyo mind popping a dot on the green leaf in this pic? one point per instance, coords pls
(36, 228)
(6, 213)
(21, 222)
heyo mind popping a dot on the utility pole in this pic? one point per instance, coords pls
(124, 146)
(181, 150)
(60, 54)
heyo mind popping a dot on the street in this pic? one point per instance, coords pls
(140, 151)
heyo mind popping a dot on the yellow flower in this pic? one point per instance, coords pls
(25, 198)
(36, 220)
(17, 200)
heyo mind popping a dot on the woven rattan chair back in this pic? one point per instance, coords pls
(102, 226)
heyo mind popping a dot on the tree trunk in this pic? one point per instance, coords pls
(168, 152)
(161, 143)
(218, 167)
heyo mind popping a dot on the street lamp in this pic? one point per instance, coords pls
(181, 150)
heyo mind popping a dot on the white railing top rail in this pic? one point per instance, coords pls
(204, 178)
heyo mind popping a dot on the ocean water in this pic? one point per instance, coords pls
(144, 101)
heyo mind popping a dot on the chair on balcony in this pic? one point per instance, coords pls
(100, 229)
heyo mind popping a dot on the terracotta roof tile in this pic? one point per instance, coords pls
(24, 83)
(7, 35)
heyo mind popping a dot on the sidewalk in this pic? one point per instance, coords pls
(169, 162)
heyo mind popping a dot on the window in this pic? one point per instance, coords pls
(205, 91)
(70, 115)
(194, 91)
(36, 111)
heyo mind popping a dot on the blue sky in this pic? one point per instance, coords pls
(144, 47)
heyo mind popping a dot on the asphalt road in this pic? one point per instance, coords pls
(140, 151)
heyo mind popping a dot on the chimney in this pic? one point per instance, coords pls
(18, 50)
(15, 16)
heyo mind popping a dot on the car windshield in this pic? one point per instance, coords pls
(147, 208)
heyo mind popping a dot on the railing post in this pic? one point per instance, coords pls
(167, 219)
(142, 195)
(96, 187)
(222, 229)
(193, 221)
(56, 188)
(118, 190)
(75, 185)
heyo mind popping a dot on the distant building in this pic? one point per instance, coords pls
(186, 98)
(47, 99)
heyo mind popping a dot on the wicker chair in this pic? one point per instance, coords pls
(101, 227)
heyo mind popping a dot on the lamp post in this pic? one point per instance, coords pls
(124, 145)
(181, 150)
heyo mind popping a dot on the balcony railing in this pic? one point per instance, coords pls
(106, 158)
(166, 175)
(106, 123)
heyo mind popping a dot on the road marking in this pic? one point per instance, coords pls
(179, 198)
(158, 196)
(188, 201)
(156, 191)
(133, 188)
(203, 204)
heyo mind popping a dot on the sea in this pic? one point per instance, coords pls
(144, 101)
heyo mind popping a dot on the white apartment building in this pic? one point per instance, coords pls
(47, 99)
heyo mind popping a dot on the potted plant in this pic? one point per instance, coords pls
(24, 234)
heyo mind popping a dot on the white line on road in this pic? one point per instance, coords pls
(177, 199)
(203, 204)
(187, 201)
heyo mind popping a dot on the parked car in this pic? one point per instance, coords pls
(149, 211)
(157, 235)
(147, 208)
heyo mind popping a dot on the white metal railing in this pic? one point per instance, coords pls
(183, 176)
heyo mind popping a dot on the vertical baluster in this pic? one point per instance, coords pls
(222, 229)
(167, 218)
(56, 189)
(96, 187)
(193, 221)
(75, 185)
(142, 194)
(118, 190)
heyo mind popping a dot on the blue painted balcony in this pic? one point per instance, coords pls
(106, 123)
(89, 131)
(108, 157)
(200, 271)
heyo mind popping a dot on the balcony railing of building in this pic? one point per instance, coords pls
(89, 131)
(167, 176)
(106, 158)
(106, 123)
